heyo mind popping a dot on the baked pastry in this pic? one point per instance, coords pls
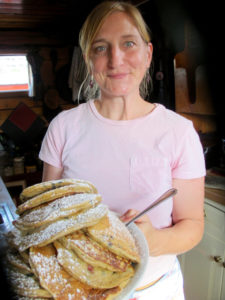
(57, 209)
(28, 298)
(48, 233)
(93, 253)
(69, 244)
(42, 187)
(53, 195)
(16, 260)
(26, 285)
(95, 277)
(115, 236)
(58, 282)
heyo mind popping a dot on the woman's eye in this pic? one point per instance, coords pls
(129, 44)
(99, 49)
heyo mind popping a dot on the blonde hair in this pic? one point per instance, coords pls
(94, 22)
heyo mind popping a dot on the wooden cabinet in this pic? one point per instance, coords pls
(204, 266)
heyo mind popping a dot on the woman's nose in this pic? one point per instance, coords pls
(115, 56)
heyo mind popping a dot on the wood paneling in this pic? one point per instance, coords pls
(48, 72)
(8, 105)
(11, 103)
(193, 98)
(203, 103)
(27, 38)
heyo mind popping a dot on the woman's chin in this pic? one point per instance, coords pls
(117, 91)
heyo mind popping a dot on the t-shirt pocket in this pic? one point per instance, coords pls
(149, 174)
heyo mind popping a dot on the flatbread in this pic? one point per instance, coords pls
(26, 285)
(42, 187)
(62, 286)
(17, 261)
(114, 235)
(46, 234)
(93, 253)
(53, 195)
(95, 277)
(56, 210)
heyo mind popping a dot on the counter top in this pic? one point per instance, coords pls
(215, 186)
(215, 195)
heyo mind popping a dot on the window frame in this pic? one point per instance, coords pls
(16, 93)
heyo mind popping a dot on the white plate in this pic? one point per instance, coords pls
(140, 268)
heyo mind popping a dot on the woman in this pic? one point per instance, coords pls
(131, 149)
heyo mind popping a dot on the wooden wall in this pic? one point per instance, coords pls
(193, 98)
(48, 73)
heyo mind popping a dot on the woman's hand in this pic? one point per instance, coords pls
(145, 225)
(187, 225)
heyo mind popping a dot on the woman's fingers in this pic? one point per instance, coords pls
(128, 215)
(131, 213)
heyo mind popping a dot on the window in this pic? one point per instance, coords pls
(14, 74)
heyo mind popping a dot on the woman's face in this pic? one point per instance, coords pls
(119, 56)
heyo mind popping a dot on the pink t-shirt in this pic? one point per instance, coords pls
(131, 162)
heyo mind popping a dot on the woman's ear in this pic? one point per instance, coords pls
(85, 58)
(88, 63)
(149, 54)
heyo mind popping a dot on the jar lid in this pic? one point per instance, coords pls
(18, 159)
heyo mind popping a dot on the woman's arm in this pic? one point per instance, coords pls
(51, 173)
(188, 220)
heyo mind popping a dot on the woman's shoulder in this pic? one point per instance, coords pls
(176, 125)
(71, 114)
(172, 118)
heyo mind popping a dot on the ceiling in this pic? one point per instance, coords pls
(45, 14)
(61, 18)
(39, 22)
(41, 14)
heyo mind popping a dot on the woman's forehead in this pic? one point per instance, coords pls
(118, 23)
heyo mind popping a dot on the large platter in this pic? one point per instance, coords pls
(139, 268)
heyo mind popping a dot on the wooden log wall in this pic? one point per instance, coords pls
(9, 101)
(192, 97)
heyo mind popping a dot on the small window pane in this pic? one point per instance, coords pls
(13, 73)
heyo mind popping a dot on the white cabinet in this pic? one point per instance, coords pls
(204, 266)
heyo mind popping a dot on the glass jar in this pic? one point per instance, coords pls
(18, 165)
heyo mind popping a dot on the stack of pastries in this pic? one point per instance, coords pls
(66, 244)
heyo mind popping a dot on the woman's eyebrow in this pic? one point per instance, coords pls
(122, 37)
(99, 41)
(128, 36)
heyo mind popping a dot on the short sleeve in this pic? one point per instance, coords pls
(52, 144)
(189, 162)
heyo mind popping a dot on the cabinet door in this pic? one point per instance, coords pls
(223, 286)
(203, 276)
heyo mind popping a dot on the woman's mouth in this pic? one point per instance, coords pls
(117, 75)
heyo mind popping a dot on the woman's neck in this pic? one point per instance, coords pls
(123, 108)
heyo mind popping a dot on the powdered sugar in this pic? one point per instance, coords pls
(59, 207)
(116, 228)
(52, 231)
(22, 281)
(51, 195)
(48, 268)
(114, 235)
